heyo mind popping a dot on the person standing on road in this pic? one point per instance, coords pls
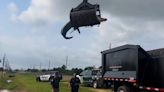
(74, 83)
(55, 84)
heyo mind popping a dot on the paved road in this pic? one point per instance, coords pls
(64, 76)
(67, 77)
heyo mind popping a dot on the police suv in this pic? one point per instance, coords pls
(48, 76)
(91, 77)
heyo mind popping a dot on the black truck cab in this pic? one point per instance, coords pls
(132, 69)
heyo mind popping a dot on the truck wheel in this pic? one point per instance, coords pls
(107, 85)
(95, 85)
(123, 89)
(38, 79)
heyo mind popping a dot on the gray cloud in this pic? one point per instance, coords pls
(33, 51)
(118, 32)
(147, 9)
(40, 13)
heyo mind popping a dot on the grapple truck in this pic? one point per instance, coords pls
(130, 68)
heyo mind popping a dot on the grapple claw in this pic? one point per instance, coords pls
(65, 29)
(84, 14)
(71, 31)
(78, 30)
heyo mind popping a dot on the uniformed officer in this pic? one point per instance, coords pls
(74, 83)
(55, 84)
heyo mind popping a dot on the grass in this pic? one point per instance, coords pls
(26, 81)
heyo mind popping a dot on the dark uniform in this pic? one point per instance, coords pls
(55, 83)
(75, 88)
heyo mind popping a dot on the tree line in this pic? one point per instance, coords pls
(62, 69)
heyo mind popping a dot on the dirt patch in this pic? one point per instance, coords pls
(101, 90)
(19, 91)
(67, 77)
(65, 82)
(14, 91)
(94, 90)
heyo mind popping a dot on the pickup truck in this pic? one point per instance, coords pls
(91, 78)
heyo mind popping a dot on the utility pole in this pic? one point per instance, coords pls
(49, 66)
(66, 61)
(6, 65)
(110, 46)
(34, 67)
(40, 66)
(3, 65)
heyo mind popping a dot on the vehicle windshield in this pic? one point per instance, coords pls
(83, 73)
(56, 72)
(95, 72)
(43, 73)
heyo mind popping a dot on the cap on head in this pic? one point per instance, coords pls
(55, 75)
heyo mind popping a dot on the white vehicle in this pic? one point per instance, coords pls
(48, 76)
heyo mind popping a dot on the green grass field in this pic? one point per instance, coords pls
(26, 81)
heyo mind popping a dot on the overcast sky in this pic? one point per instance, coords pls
(30, 31)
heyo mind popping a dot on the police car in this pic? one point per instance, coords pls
(48, 76)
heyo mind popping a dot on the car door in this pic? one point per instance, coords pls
(82, 77)
(94, 75)
(88, 77)
(99, 73)
(47, 76)
(42, 78)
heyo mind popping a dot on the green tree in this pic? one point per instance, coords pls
(63, 70)
(100, 67)
(55, 69)
(76, 70)
(16, 70)
(64, 67)
(1, 69)
(28, 70)
(34, 70)
(44, 70)
(89, 68)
